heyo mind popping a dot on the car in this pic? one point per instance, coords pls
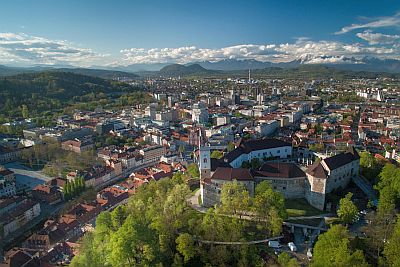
(274, 244)
(292, 246)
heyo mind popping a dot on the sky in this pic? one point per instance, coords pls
(119, 33)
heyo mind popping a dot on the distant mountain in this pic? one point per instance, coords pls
(139, 67)
(345, 63)
(101, 73)
(182, 70)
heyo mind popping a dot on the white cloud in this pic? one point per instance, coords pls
(304, 49)
(26, 49)
(392, 21)
(378, 38)
(192, 53)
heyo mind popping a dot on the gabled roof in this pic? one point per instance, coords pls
(341, 159)
(317, 170)
(280, 170)
(245, 147)
(230, 174)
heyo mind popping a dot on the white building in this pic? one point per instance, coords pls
(199, 113)
(267, 128)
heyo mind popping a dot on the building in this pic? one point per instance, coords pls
(267, 128)
(8, 154)
(329, 174)
(7, 183)
(285, 176)
(269, 148)
(199, 113)
(212, 187)
(152, 154)
(46, 193)
(20, 215)
(78, 145)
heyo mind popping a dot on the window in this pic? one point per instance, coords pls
(284, 188)
(278, 151)
(205, 160)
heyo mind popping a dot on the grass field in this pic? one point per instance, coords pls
(300, 207)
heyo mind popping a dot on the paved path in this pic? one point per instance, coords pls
(253, 242)
(320, 216)
(25, 171)
(366, 187)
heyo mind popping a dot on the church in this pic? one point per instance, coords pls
(279, 168)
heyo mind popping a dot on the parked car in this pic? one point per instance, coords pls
(292, 246)
(274, 244)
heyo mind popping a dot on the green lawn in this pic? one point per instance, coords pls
(300, 207)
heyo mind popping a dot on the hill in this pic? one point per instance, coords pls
(105, 74)
(101, 73)
(46, 91)
(182, 70)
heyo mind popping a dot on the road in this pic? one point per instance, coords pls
(25, 177)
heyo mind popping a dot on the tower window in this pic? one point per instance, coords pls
(205, 160)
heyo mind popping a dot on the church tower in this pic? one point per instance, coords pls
(204, 161)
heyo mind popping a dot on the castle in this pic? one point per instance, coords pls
(279, 168)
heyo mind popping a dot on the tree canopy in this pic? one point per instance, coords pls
(333, 249)
(348, 211)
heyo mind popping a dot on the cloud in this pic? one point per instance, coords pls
(392, 21)
(25, 49)
(192, 53)
(304, 49)
(378, 38)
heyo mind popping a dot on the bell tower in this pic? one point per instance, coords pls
(205, 163)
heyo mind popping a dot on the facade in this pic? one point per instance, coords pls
(329, 174)
(78, 146)
(260, 149)
(23, 213)
(46, 193)
(152, 154)
(199, 113)
(7, 183)
(286, 178)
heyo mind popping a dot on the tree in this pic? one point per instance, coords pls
(193, 170)
(285, 261)
(391, 250)
(388, 187)
(25, 111)
(185, 246)
(333, 249)
(118, 216)
(347, 211)
(216, 154)
(370, 166)
(379, 229)
(235, 198)
(269, 207)
(230, 147)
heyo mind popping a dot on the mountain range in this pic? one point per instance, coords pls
(346, 63)
(218, 68)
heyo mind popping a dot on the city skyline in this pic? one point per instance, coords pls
(124, 33)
